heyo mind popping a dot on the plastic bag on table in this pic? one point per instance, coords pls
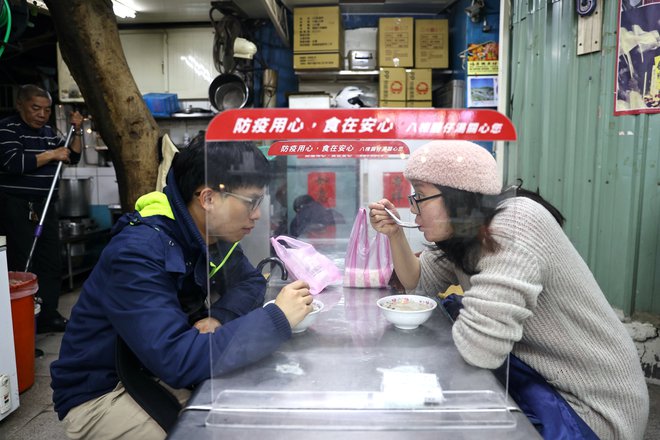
(305, 263)
(368, 263)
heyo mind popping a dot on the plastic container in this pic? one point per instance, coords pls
(162, 104)
(22, 287)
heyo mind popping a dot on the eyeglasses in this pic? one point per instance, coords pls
(415, 201)
(252, 203)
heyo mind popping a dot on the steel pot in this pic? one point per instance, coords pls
(229, 91)
(75, 196)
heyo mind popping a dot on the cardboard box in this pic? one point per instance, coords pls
(419, 84)
(432, 43)
(423, 104)
(395, 42)
(395, 104)
(318, 30)
(392, 84)
(318, 61)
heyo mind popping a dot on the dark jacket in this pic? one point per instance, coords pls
(147, 288)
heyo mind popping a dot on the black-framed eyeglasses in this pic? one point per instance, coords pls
(415, 200)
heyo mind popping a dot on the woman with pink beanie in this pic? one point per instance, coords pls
(574, 369)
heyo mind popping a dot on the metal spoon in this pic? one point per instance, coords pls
(398, 221)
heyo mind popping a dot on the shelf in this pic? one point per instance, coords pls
(337, 75)
(98, 237)
(353, 75)
(186, 116)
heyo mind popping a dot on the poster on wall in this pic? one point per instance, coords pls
(396, 189)
(482, 91)
(321, 186)
(638, 64)
(482, 58)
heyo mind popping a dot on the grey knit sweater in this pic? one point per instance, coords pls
(537, 298)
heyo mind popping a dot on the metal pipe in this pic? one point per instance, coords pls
(39, 228)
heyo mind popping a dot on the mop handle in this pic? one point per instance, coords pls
(38, 229)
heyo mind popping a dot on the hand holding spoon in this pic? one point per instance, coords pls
(398, 221)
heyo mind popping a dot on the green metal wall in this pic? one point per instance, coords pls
(601, 171)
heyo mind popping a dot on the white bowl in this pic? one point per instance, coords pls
(406, 312)
(310, 319)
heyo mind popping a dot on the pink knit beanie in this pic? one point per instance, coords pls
(456, 164)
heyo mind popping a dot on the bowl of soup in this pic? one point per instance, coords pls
(310, 319)
(406, 312)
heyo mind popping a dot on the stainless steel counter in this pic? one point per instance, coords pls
(330, 377)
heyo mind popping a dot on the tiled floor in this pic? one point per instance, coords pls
(36, 420)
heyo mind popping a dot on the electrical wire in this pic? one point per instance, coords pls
(227, 29)
(5, 18)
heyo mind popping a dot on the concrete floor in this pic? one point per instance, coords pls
(35, 419)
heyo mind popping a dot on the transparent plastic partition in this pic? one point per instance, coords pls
(351, 369)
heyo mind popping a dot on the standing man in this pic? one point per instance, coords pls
(29, 154)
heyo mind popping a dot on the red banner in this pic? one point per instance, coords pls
(364, 123)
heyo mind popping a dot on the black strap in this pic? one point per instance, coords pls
(155, 399)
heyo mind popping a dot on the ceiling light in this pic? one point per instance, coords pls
(122, 11)
(39, 4)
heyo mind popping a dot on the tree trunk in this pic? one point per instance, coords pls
(89, 41)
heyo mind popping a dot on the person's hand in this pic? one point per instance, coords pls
(76, 119)
(61, 154)
(207, 325)
(295, 301)
(381, 220)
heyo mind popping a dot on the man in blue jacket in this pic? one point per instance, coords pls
(150, 289)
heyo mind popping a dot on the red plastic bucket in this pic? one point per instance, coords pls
(22, 287)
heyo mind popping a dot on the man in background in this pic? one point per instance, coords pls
(29, 154)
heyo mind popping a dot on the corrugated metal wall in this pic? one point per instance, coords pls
(600, 170)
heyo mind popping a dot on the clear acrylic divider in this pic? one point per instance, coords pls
(357, 410)
(351, 369)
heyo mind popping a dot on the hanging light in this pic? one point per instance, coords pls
(120, 9)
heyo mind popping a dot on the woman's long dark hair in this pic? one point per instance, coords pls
(471, 215)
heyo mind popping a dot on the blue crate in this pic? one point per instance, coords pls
(162, 104)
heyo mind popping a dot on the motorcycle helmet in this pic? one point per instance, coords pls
(352, 97)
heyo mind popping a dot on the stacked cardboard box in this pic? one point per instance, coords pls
(318, 38)
(395, 42)
(432, 43)
(392, 87)
(418, 87)
(408, 50)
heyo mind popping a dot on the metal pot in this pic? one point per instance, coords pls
(229, 91)
(75, 196)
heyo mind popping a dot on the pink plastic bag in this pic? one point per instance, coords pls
(305, 263)
(368, 263)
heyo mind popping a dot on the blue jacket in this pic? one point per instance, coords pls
(148, 287)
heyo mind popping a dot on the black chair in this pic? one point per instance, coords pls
(155, 399)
